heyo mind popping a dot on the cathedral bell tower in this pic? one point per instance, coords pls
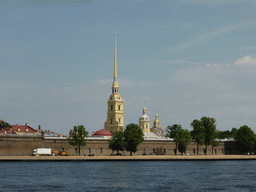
(115, 104)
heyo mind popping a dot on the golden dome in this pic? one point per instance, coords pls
(156, 119)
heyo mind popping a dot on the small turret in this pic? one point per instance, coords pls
(157, 129)
(144, 121)
(156, 121)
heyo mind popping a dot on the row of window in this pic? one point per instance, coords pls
(115, 90)
(194, 151)
(154, 150)
(142, 126)
(119, 107)
(89, 150)
(119, 120)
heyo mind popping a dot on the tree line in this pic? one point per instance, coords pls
(205, 133)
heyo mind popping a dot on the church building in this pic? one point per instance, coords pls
(115, 120)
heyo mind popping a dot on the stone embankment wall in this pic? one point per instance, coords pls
(13, 145)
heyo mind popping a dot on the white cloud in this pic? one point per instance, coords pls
(247, 60)
(203, 38)
(225, 92)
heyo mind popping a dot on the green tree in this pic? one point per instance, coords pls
(172, 133)
(77, 136)
(133, 136)
(197, 133)
(209, 130)
(245, 139)
(224, 134)
(117, 142)
(183, 138)
(4, 125)
(234, 132)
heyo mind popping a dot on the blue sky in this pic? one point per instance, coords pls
(182, 59)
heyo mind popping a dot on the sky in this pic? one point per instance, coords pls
(181, 59)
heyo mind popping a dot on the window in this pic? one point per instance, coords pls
(164, 150)
(119, 108)
(119, 121)
(75, 150)
(62, 149)
(54, 140)
(154, 150)
(142, 125)
(222, 151)
(111, 107)
(89, 150)
(204, 151)
(100, 150)
(194, 151)
(215, 150)
(146, 126)
(144, 150)
(111, 120)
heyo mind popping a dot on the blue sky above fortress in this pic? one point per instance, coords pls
(181, 59)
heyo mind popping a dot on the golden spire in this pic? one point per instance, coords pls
(115, 86)
(115, 63)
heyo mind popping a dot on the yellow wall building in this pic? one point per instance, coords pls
(115, 114)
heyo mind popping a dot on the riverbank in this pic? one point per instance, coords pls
(129, 158)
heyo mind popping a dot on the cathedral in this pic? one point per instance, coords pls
(115, 113)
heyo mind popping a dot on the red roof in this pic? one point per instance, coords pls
(103, 132)
(23, 128)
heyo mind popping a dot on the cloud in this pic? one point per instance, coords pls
(205, 37)
(225, 92)
(247, 60)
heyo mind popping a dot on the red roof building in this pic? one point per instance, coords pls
(20, 130)
(27, 130)
(102, 133)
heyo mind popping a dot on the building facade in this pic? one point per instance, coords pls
(24, 145)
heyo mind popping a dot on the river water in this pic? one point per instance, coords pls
(129, 176)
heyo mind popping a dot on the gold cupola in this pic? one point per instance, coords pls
(156, 121)
(144, 121)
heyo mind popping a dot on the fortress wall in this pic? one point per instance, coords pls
(10, 145)
(13, 145)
